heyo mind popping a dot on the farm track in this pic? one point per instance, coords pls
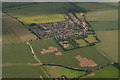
(103, 53)
(35, 57)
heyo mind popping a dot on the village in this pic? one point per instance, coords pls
(65, 33)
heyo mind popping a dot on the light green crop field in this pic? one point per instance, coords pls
(82, 43)
(41, 12)
(107, 72)
(56, 71)
(109, 43)
(68, 57)
(14, 31)
(104, 25)
(103, 15)
(91, 39)
(95, 5)
(18, 62)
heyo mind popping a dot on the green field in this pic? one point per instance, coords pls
(56, 71)
(18, 53)
(104, 25)
(103, 15)
(91, 39)
(41, 12)
(22, 71)
(18, 62)
(14, 32)
(109, 43)
(68, 56)
(81, 43)
(107, 72)
(96, 5)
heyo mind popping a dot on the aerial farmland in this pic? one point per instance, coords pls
(60, 40)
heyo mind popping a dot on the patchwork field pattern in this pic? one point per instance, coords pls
(17, 59)
(40, 13)
(14, 31)
(68, 57)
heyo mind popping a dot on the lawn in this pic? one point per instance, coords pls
(107, 72)
(109, 43)
(56, 71)
(41, 12)
(103, 15)
(95, 5)
(81, 43)
(68, 57)
(14, 32)
(104, 25)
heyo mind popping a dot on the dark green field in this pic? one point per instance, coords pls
(18, 62)
(68, 56)
(104, 25)
(22, 71)
(14, 32)
(97, 6)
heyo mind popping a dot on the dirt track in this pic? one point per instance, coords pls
(35, 57)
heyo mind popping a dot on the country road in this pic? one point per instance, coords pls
(39, 62)
(35, 57)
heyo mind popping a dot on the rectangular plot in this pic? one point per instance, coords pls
(22, 72)
(82, 43)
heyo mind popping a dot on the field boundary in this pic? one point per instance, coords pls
(103, 53)
(35, 57)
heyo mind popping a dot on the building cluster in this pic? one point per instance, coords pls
(62, 31)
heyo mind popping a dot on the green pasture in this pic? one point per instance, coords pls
(14, 32)
(18, 62)
(68, 57)
(56, 71)
(81, 42)
(109, 43)
(103, 15)
(95, 5)
(18, 53)
(107, 72)
(22, 72)
(104, 25)
(111, 3)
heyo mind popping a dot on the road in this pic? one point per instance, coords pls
(39, 62)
